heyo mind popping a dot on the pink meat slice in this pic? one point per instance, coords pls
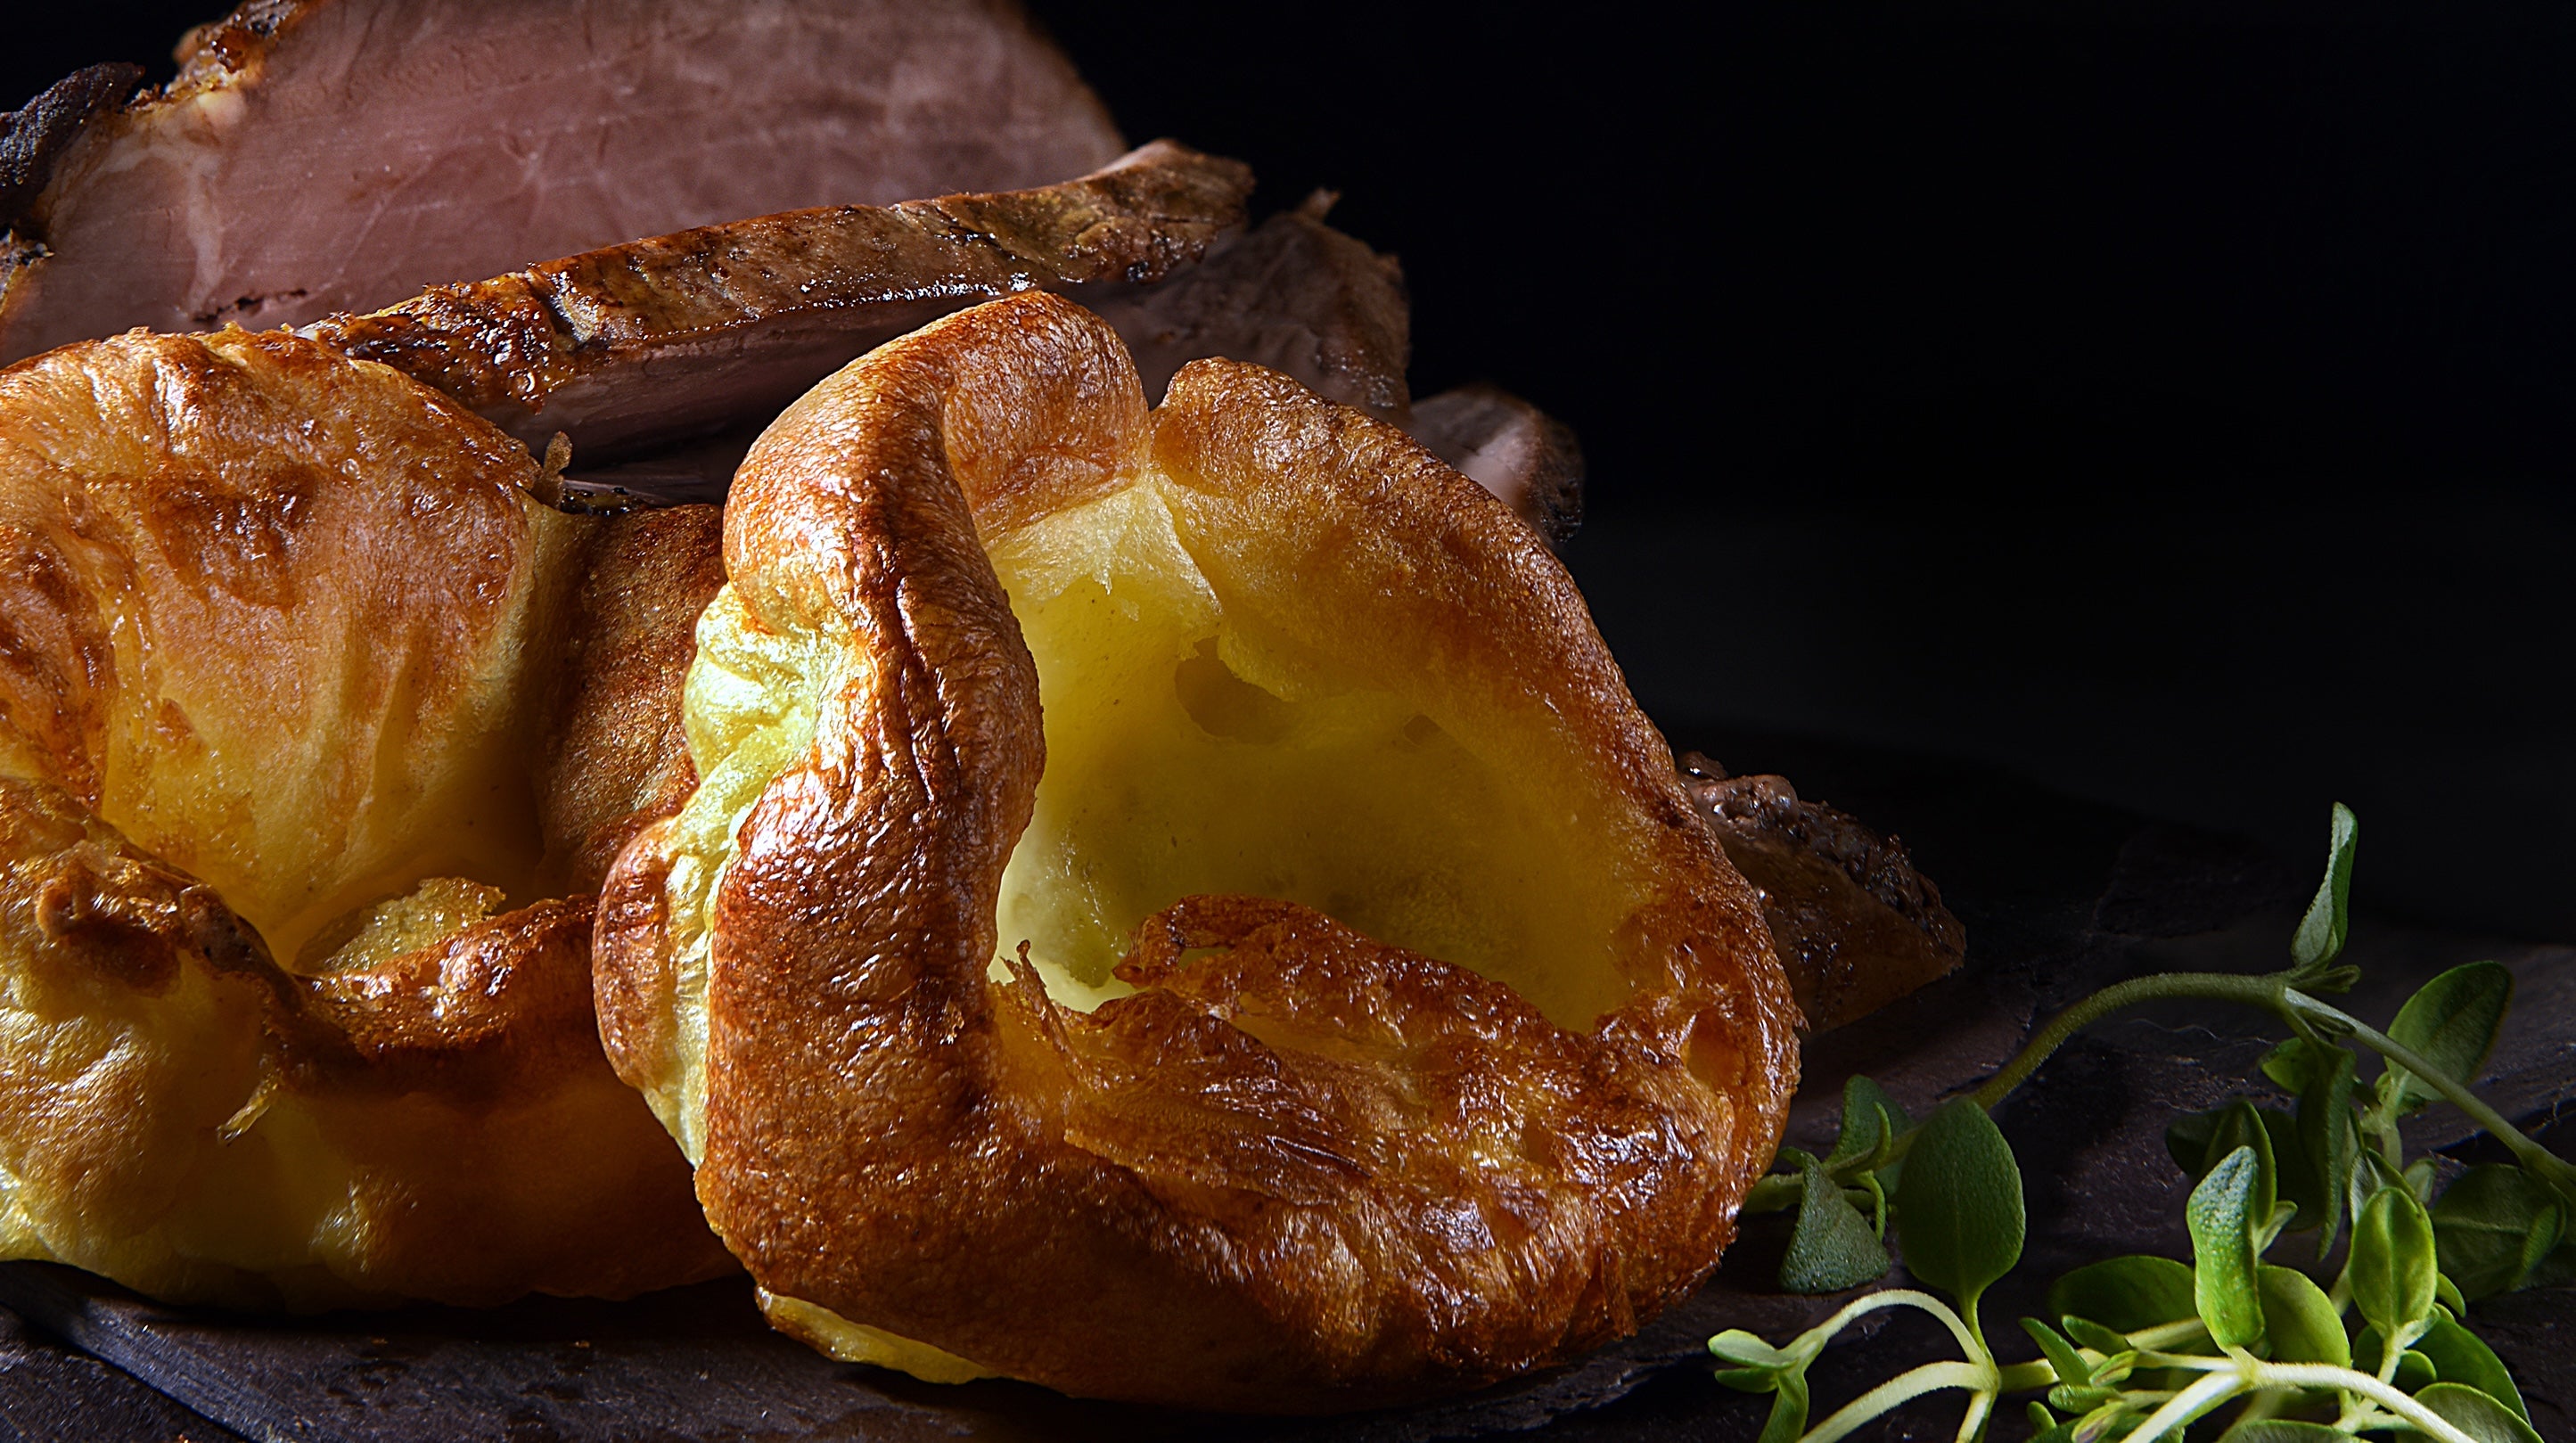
(320, 156)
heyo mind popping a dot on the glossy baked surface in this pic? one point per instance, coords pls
(1450, 1041)
(309, 760)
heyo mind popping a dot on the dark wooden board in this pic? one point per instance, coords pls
(2059, 898)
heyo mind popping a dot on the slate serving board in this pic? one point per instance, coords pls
(2059, 897)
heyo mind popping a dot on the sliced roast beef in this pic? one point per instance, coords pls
(316, 156)
(1856, 926)
(645, 345)
(1511, 448)
(1293, 294)
(662, 359)
(320, 156)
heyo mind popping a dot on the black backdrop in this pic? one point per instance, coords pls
(2166, 405)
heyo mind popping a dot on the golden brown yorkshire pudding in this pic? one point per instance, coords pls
(1448, 1042)
(316, 732)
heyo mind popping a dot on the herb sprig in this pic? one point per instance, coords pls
(2144, 1346)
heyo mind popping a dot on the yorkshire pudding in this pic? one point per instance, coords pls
(1445, 1042)
(316, 731)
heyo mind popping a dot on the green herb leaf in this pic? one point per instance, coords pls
(1738, 1346)
(2127, 1294)
(2460, 1356)
(2197, 1141)
(2222, 1250)
(2282, 1430)
(2302, 1325)
(2321, 932)
(1772, 1193)
(1959, 1212)
(2062, 1358)
(1833, 1247)
(2240, 1124)
(1788, 1410)
(1961, 1215)
(2494, 1225)
(2073, 1398)
(1864, 1130)
(2299, 1184)
(2420, 1176)
(2452, 1022)
(2093, 1335)
(2293, 1064)
(2476, 1414)
(2557, 1270)
(1871, 1124)
(2370, 1173)
(2316, 1173)
(2100, 1422)
(2392, 1262)
(2187, 1141)
(2117, 1367)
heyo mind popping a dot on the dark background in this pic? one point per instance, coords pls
(2167, 406)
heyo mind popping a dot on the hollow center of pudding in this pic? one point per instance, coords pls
(353, 778)
(1186, 755)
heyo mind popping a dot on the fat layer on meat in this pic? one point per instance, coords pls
(316, 156)
(641, 345)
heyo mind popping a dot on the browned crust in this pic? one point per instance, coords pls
(55, 659)
(620, 753)
(497, 1012)
(1202, 1195)
(35, 136)
(1856, 925)
(195, 480)
(112, 911)
(840, 279)
(219, 49)
(414, 1070)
